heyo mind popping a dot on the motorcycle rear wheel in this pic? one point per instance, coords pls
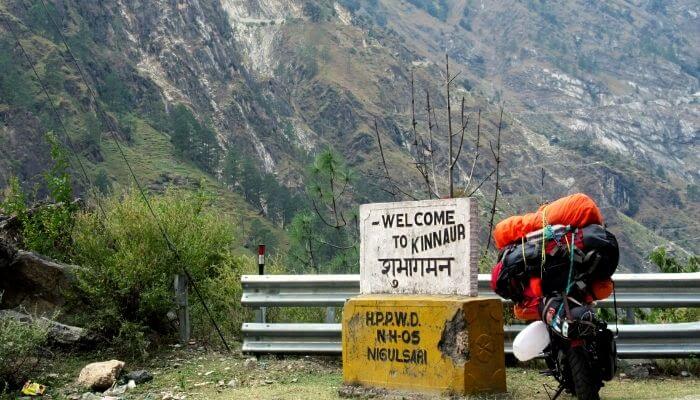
(587, 382)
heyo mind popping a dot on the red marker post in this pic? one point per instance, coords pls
(261, 259)
(261, 271)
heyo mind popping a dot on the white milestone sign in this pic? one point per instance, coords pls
(419, 247)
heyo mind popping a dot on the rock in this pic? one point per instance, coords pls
(131, 384)
(638, 371)
(57, 333)
(251, 362)
(685, 374)
(100, 375)
(232, 383)
(90, 396)
(33, 281)
(117, 390)
(139, 377)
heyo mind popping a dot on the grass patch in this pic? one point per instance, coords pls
(201, 374)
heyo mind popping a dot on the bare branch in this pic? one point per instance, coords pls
(482, 182)
(413, 112)
(461, 139)
(497, 156)
(449, 124)
(320, 216)
(381, 151)
(430, 133)
(476, 151)
(335, 246)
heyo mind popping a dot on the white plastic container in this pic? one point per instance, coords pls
(531, 341)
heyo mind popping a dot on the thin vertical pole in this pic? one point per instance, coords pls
(261, 271)
(181, 285)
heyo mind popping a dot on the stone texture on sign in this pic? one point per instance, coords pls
(449, 344)
(419, 247)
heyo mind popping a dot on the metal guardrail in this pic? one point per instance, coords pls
(633, 290)
(633, 341)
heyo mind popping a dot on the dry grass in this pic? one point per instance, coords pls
(205, 375)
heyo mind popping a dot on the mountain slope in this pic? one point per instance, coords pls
(602, 97)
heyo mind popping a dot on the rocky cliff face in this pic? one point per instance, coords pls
(602, 97)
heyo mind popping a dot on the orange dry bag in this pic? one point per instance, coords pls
(577, 210)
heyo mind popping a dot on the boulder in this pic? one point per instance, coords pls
(58, 333)
(100, 375)
(33, 281)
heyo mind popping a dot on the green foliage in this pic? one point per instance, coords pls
(324, 240)
(670, 264)
(91, 135)
(131, 340)
(102, 182)
(46, 229)
(16, 87)
(128, 268)
(259, 189)
(193, 140)
(330, 179)
(261, 234)
(115, 92)
(20, 344)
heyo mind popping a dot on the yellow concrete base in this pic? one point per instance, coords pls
(424, 343)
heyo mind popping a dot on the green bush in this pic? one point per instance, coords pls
(128, 267)
(20, 345)
(46, 229)
(670, 264)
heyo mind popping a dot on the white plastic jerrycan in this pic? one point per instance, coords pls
(531, 341)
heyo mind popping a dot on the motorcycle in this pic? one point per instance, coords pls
(582, 352)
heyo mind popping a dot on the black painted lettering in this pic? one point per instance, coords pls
(401, 318)
(437, 239)
(415, 337)
(439, 217)
(388, 318)
(417, 219)
(393, 335)
(369, 318)
(388, 220)
(414, 319)
(450, 217)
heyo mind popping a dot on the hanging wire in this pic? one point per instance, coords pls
(113, 131)
(69, 142)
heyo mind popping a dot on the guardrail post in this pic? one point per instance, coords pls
(183, 308)
(330, 315)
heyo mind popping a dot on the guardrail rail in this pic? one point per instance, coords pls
(632, 290)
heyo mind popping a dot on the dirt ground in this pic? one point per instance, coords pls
(195, 373)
